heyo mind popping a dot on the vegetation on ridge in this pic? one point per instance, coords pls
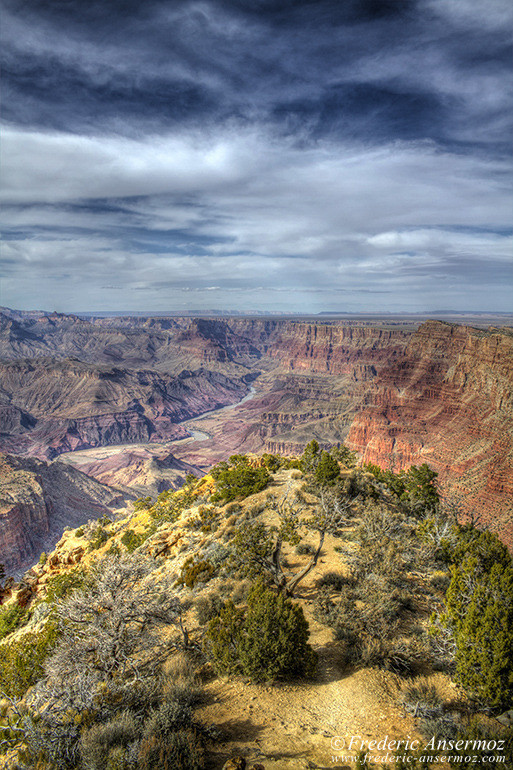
(105, 672)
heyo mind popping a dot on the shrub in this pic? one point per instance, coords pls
(21, 661)
(180, 750)
(172, 715)
(61, 586)
(193, 572)
(415, 487)
(344, 455)
(421, 698)
(333, 580)
(208, 516)
(484, 546)
(272, 462)
(207, 607)
(12, 617)
(482, 737)
(240, 594)
(237, 479)
(98, 538)
(49, 744)
(305, 549)
(111, 636)
(182, 686)
(255, 510)
(269, 641)
(402, 656)
(440, 580)
(132, 540)
(104, 743)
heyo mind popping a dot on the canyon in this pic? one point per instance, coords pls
(397, 393)
(38, 500)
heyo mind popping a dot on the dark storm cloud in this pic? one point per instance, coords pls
(198, 146)
(353, 69)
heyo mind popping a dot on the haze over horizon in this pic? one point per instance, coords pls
(257, 155)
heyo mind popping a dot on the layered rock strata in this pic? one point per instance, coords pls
(448, 401)
(50, 407)
(38, 499)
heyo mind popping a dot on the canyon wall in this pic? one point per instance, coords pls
(439, 394)
(448, 401)
(38, 499)
(52, 406)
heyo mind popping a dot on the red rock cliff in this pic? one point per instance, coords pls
(447, 400)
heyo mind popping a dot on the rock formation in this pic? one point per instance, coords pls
(38, 499)
(439, 394)
(448, 401)
(53, 406)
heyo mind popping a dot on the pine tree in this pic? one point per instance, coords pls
(327, 471)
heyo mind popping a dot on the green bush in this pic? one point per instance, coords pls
(193, 572)
(62, 585)
(484, 546)
(415, 487)
(273, 463)
(21, 661)
(237, 479)
(269, 641)
(11, 617)
(98, 538)
(132, 540)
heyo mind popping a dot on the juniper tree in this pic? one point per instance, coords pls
(111, 633)
(268, 641)
(479, 613)
(327, 471)
(480, 610)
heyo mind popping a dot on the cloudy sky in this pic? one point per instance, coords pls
(284, 155)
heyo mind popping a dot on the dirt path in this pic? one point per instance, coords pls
(300, 726)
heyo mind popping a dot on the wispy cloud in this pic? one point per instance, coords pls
(306, 154)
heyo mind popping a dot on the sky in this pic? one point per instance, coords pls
(256, 155)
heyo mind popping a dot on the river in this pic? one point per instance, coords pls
(100, 453)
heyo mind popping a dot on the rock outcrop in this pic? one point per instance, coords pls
(38, 499)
